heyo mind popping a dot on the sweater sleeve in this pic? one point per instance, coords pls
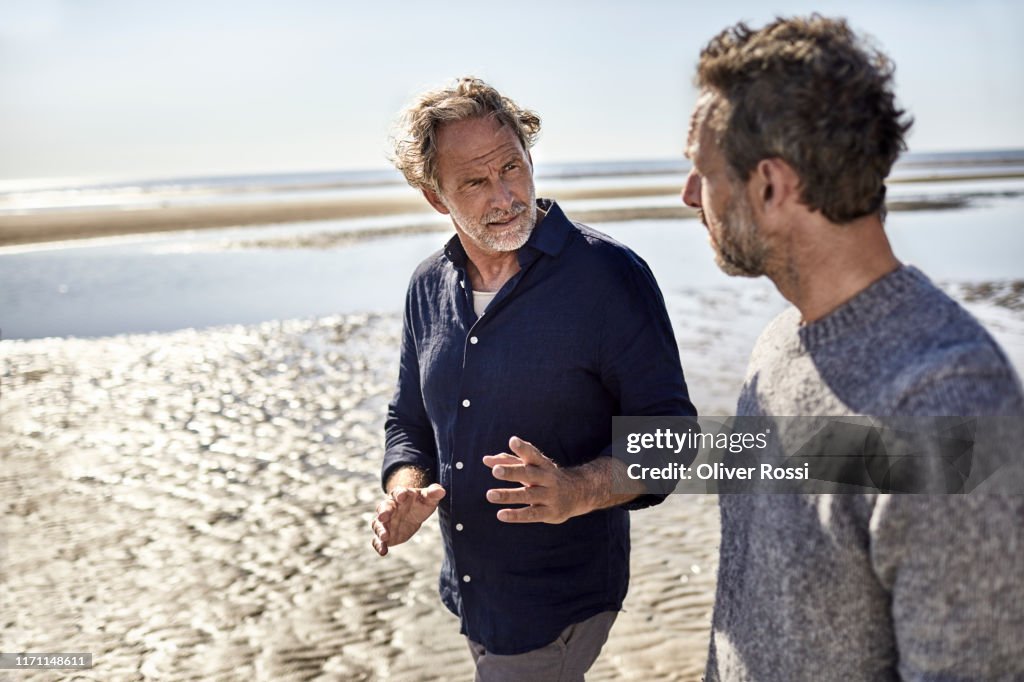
(952, 563)
(952, 566)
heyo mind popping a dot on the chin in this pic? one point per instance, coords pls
(734, 270)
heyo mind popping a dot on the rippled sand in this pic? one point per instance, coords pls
(195, 505)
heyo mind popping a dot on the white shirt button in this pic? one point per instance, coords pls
(466, 578)
(465, 403)
(458, 526)
(473, 340)
(458, 465)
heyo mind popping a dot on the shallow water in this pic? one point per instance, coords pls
(174, 281)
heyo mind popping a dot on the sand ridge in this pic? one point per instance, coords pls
(80, 223)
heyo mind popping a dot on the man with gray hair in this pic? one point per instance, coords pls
(794, 133)
(527, 332)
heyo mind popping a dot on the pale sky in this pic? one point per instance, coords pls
(119, 88)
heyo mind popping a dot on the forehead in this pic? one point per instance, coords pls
(471, 144)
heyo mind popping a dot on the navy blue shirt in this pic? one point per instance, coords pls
(580, 334)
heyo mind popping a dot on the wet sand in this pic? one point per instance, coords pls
(105, 222)
(195, 505)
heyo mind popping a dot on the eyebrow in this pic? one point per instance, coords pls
(470, 180)
(511, 158)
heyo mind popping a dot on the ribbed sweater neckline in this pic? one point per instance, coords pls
(870, 305)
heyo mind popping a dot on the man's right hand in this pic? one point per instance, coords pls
(402, 513)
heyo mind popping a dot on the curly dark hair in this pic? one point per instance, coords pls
(811, 92)
(415, 136)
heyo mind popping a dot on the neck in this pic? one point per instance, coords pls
(826, 264)
(490, 272)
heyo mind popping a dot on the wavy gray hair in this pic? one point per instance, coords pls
(415, 135)
(812, 92)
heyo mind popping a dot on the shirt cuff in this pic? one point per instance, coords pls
(395, 459)
(644, 501)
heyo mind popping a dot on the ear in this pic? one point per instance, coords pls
(435, 200)
(773, 186)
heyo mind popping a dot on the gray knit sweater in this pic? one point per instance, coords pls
(874, 586)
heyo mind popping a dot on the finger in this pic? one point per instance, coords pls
(384, 516)
(401, 496)
(515, 495)
(533, 514)
(386, 505)
(526, 451)
(381, 531)
(380, 547)
(522, 473)
(404, 500)
(503, 458)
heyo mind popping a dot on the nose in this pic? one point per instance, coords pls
(502, 197)
(691, 190)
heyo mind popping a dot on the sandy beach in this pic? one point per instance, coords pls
(195, 505)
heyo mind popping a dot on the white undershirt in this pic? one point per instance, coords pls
(481, 299)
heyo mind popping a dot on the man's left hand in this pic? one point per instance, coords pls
(553, 494)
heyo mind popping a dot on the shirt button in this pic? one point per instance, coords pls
(462, 283)
(465, 403)
(473, 340)
(458, 526)
(458, 465)
(466, 578)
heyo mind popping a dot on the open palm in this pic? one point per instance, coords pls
(402, 513)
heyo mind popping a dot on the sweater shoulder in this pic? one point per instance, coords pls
(950, 363)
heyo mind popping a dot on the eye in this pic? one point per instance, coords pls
(512, 165)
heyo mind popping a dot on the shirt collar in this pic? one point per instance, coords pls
(548, 237)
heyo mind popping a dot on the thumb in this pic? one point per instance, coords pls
(526, 450)
(433, 493)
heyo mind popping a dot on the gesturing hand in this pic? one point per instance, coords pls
(554, 494)
(402, 513)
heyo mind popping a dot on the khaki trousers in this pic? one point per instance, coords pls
(566, 659)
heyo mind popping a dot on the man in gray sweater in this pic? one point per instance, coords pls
(793, 135)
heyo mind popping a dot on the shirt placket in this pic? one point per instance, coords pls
(464, 563)
(462, 472)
